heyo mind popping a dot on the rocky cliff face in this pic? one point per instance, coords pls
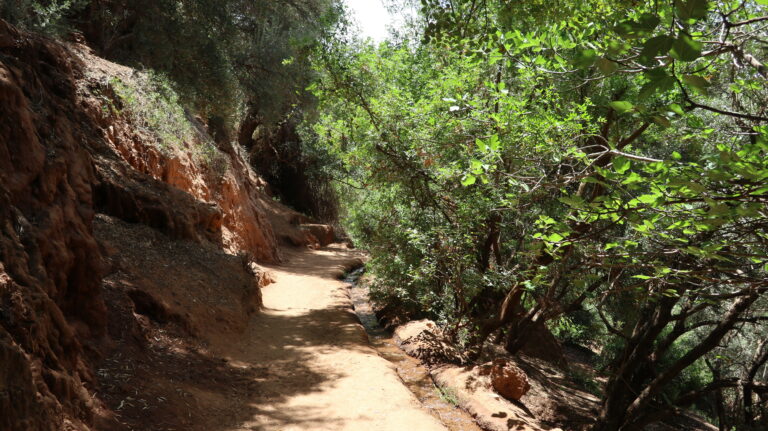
(63, 159)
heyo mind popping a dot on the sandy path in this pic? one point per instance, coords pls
(320, 373)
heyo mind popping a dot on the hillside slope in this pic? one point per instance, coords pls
(71, 295)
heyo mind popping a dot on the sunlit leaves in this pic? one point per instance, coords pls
(491, 144)
(621, 106)
(621, 164)
(584, 138)
(677, 109)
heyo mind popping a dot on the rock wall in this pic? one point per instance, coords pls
(63, 158)
(50, 263)
(231, 213)
(139, 182)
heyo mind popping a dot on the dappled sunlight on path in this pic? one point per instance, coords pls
(316, 369)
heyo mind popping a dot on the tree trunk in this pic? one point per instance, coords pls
(249, 124)
(629, 394)
(631, 371)
(490, 244)
(759, 359)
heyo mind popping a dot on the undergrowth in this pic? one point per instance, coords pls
(153, 106)
(448, 395)
(46, 17)
(584, 381)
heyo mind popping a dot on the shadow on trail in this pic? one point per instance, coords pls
(237, 392)
(177, 383)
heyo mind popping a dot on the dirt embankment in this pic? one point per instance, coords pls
(109, 246)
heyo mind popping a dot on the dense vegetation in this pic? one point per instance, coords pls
(223, 56)
(599, 167)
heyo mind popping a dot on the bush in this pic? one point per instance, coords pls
(153, 106)
(47, 17)
(221, 54)
(448, 395)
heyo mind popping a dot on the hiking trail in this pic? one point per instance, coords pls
(322, 373)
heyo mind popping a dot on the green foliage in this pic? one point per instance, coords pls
(244, 62)
(582, 327)
(222, 56)
(45, 16)
(447, 395)
(584, 381)
(613, 161)
(153, 107)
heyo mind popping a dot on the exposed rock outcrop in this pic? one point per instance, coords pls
(322, 232)
(474, 393)
(50, 263)
(220, 199)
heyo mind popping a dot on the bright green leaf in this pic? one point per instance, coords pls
(494, 142)
(677, 109)
(481, 145)
(621, 164)
(621, 106)
(633, 177)
(648, 199)
(555, 237)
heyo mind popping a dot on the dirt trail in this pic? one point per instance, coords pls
(320, 373)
